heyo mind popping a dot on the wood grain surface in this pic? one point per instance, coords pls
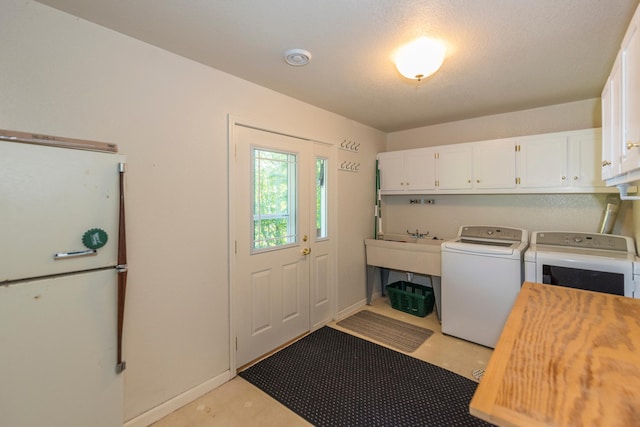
(566, 357)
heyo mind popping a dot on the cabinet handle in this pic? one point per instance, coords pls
(606, 163)
(564, 178)
(478, 181)
(469, 181)
(575, 178)
(631, 145)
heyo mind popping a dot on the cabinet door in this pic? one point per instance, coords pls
(455, 167)
(420, 170)
(584, 155)
(391, 166)
(630, 53)
(612, 123)
(494, 164)
(543, 161)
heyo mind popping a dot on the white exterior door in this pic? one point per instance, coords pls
(283, 260)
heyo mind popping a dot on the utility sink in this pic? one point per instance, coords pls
(405, 253)
(404, 238)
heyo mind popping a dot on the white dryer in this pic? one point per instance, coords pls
(589, 261)
(482, 272)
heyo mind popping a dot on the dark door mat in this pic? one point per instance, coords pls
(332, 378)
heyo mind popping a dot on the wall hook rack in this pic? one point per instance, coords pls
(350, 146)
(347, 166)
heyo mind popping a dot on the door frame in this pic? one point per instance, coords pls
(232, 122)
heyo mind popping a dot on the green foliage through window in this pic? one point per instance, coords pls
(321, 198)
(274, 198)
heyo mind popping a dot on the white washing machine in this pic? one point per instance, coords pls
(482, 272)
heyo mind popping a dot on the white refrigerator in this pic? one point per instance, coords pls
(61, 293)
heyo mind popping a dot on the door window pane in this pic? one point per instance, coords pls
(274, 199)
(321, 198)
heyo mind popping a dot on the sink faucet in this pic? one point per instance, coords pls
(417, 234)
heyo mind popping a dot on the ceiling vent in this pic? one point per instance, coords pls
(297, 57)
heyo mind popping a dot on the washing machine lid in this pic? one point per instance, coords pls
(484, 247)
(488, 240)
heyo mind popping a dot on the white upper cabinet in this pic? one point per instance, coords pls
(612, 123)
(494, 164)
(454, 167)
(484, 165)
(543, 161)
(407, 171)
(585, 148)
(563, 162)
(630, 55)
(420, 171)
(620, 161)
(391, 167)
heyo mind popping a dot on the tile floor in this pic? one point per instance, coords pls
(238, 403)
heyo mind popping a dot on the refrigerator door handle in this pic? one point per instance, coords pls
(73, 254)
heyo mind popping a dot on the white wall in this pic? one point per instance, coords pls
(533, 212)
(63, 76)
(556, 118)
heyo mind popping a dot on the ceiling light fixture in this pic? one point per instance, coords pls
(420, 58)
(297, 57)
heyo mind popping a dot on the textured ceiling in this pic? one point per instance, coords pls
(503, 55)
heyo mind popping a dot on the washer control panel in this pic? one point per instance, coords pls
(498, 233)
(582, 240)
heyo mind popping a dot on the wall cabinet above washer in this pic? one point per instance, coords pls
(571, 162)
(563, 162)
(407, 171)
(621, 112)
(484, 165)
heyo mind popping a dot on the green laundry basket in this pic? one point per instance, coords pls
(411, 298)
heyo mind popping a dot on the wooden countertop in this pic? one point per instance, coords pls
(566, 357)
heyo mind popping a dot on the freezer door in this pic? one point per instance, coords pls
(58, 352)
(49, 199)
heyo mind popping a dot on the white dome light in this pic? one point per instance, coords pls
(420, 58)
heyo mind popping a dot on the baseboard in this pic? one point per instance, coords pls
(154, 414)
(352, 309)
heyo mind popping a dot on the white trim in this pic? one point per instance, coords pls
(231, 230)
(234, 121)
(351, 309)
(333, 225)
(154, 414)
